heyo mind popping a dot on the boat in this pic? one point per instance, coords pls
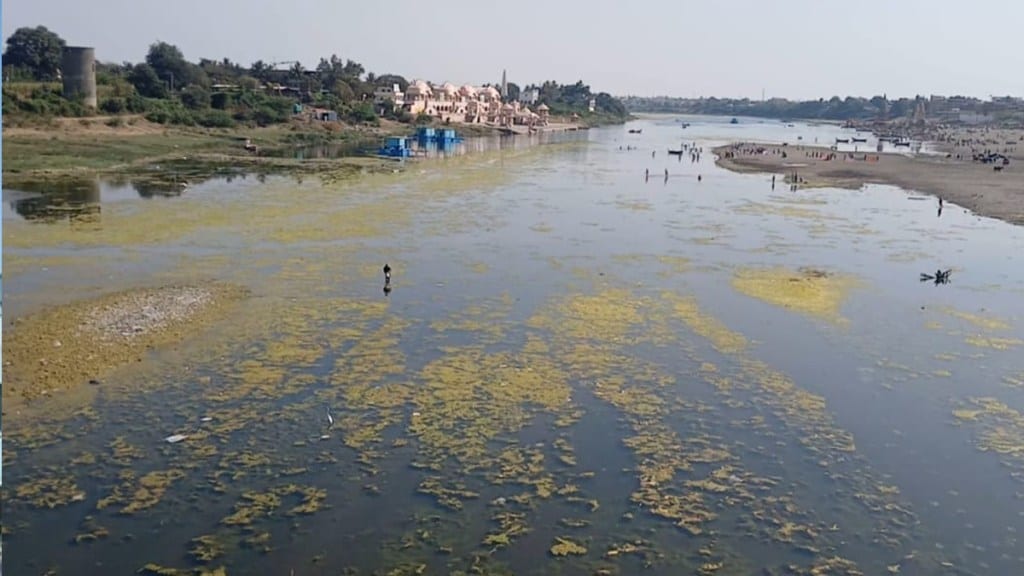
(842, 140)
(858, 139)
(734, 121)
(636, 130)
(901, 142)
(676, 152)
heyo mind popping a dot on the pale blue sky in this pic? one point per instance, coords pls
(790, 48)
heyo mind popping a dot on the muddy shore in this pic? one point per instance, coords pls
(973, 185)
(66, 351)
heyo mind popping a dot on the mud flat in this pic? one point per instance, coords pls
(975, 186)
(64, 351)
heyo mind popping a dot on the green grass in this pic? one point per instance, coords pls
(60, 153)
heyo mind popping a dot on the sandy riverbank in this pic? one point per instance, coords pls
(973, 185)
(65, 352)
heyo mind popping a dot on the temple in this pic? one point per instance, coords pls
(467, 104)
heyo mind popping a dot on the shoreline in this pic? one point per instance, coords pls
(972, 185)
(71, 147)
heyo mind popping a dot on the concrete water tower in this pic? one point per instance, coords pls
(78, 71)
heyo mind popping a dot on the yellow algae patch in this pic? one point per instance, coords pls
(365, 220)
(486, 320)
(721, 337)
(992, 342)
(967, 414)
(361, 383)
(1016, 381)
(257, 505)
(49, 492)
(635, 205)
(468, 397)
(206, 548)
(675, 264)
(808, 291)
(57, 351)
(542, 228)
(790, 211)
(607, 316)
(143, 494)
(985, 322)
(567, 547)
(1000, 431)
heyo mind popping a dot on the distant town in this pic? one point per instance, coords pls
(45, 78)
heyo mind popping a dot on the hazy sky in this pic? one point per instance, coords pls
(788, 48)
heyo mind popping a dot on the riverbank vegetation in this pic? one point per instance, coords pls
(168, 107)
(998, 110)
(168, 89)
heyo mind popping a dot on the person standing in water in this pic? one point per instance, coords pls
(387, 274)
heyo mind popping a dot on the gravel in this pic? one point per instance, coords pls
(137, 314)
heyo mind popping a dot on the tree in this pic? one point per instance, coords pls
(37, 50)
(389, 80)
(513, 91)
(195, 97)
(353, 70)
(146, 81)
(261, 70)
(343, 91)
(170, 65)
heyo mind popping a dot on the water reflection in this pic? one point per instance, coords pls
(322, 151)
(80, 199)
(64, 200)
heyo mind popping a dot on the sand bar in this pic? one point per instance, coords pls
(973, 185)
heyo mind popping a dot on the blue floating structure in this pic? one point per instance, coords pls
(424, 134)
(430, 135)
(447, 135)
(396, 148)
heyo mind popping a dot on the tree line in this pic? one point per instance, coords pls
(167, 88)
(835, 108)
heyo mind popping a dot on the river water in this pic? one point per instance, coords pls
(579, 370)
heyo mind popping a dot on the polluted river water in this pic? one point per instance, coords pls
(577, 370)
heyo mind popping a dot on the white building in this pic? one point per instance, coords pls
(529, 95)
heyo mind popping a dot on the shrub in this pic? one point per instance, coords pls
(169, 112)
(220, 100)
(362, 112)
(214, 119)
(136, 104)
(195, 97)
(114, 105)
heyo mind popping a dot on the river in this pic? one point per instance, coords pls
(579, 370)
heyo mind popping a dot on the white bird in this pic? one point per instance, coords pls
(330, 419)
